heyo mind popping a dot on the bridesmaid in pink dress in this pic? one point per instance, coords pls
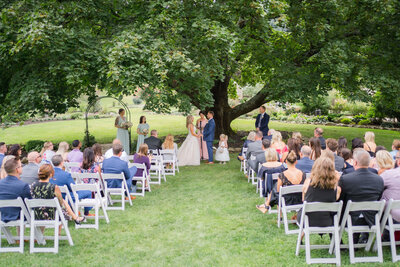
(200, 124)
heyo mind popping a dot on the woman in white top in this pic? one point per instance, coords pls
(189, 152)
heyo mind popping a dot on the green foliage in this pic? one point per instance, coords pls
(346, 121)
(364, 122)
(357, 118)
(88, 142)
(137, 101)
(34, 145)
(76, 116)
(311, 104)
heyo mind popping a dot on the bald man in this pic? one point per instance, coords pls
(109, 152)
(30, 171)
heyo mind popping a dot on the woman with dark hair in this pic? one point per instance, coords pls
(142, 131)
(89, 164)
(122, 132)
(16, 151)
(342, 143)
(200, 124)
(293, 145)
(356, 143)
(316, 149)
(98, 153)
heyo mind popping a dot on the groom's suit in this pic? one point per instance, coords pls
(208, 136)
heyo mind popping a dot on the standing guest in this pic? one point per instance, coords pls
(200, 124)
(316, 148)
(43, 189)
(278, 144)
(260, 157)
(318, 132)
(142, 131)
(369, 144)
(208, 136)
(122, 126)
(15, 150)
(250, 139)
(62, 178)
(384, 161)
(262, 121)
(109, 153)
(89, 164)
(298, 137)
(356, 143)
(361, 185)
(395, 148)
(11, 187)
(98, 153)
(76, 154)
(3, 151)
(116, 165)
(153, 142)
(63, 149)
(332, 145)
(3, 173)
(47, 153)
(222, 154)
(293, 145)
(255, 146)
(143, 157)
(305, 164)
(169, 144)
(30, 171)
(342, 143)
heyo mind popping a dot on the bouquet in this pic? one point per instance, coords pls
(127, 125)
(145, 131)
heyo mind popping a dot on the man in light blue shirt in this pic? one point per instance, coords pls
(3, 151)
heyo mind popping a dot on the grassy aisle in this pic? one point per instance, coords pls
(204, 216)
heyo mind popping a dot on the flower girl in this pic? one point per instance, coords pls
(222, 154)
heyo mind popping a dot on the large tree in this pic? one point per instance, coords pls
(191, 53)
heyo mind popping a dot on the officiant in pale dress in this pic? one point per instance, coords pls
(122, 132)
(142, 131)
(200, 124)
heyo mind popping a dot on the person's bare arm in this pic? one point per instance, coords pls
(278, 185)
(59, 196)
(116, 123)
(338, 191)
(305, 187)
(192, 131)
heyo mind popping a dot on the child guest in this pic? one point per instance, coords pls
(222, 154)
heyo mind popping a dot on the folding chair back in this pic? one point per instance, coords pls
(308, 175)
(388, 224)
(67, 197)
(285, 209)
(169, 157)
(130, 158)
(275, 177)
(55, 223)
(157, 169)
(122, 191)
(243, 163)
(69, 165)
(4, 226)
(81, 177)
(142, 179)
(335, 208)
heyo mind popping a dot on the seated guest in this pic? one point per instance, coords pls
(278, 144)
(170, 145)
(291, 176)
(76, 154)
(255, 146)
(270, 133)
(342, 143)
(3, 151)
(293, 145)
(116, 165)
(153, 142)
(271, 166)
(260, 157)
(305, 164)
(298, 137)
(361, 185)
(63, 148)
(321, 187)
(250, 138)
(47, 153)
(356, 143)
(318, 132)
(332, 145)
(89, 164)
(143, 157)
(348, 160)
(3, 173)
(369, 144)
(11, 187)
(98, 154)
(109, 153)
(43, 189)
(30, 171)
(316, 148)
(395, 148)
(384, 161)
(61, 178)
(15, 150)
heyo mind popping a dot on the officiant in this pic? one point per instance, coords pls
(122, 132)
(262, 121)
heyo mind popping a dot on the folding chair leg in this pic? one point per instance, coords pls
(393, 243)
(308, 247)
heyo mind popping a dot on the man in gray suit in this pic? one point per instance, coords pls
(260, 156)
(30, 171)
(332, 145)
(255, 146)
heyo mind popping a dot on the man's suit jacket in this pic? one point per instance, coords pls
(209, 131)
(361, 185)
(253, 147)
(62, 178)
(323, 142)
(260, 159)
(30, 173)
(153, 142)
(305, 164)
(339, 163)
(11, 188)
(116, 165)
(264, 123)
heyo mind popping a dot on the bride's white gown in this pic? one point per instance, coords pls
(189, 152)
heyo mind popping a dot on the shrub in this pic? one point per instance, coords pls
(333, 117)
(34, 145)
(88, 142)
(364, 122)
(356, 108)
(358, 118)
(75, 116)
(346, 121)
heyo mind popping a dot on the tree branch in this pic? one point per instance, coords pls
(251, 104)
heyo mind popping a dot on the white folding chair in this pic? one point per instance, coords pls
(334, 207)
(69, 165)
(157, 169)
(58, 221)
(169, 158)
(275, 177)
(374, 231)
(285, 209)
(67, 197)
(130, 158)
(123, 191)
(388, 224)
(4, 226)
(98, 202)
(243, 163)
(308, 175)
(75, 176)
(141, 179)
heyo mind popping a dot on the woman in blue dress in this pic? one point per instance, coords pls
(142, 131)
(122, 132)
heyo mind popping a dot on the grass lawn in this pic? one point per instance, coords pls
(204, 216)
(105, 132)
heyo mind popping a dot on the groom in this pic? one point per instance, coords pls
(208, 135)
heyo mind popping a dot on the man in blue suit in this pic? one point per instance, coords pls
(116, 165)
(62, 178)
(305, 164)
(12, 187)
(3, 151)
(262, 121)
(208, 136)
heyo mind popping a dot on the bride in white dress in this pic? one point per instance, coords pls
(189, 152)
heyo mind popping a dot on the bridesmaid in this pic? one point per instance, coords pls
(122, 132)
(142, 130)
(200, 124)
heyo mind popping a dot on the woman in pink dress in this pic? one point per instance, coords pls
(200, 124)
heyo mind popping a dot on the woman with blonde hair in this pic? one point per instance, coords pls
(298, 137)
(189, 152)
(369, 144)
(63, 148)
(3, 173)
(47, 152)
(278, 144)
(251, 137)
(384, 160)
(170, 145)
